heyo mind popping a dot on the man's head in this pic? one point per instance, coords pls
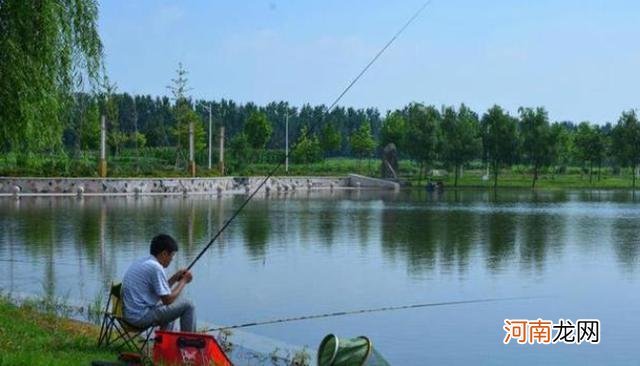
(163, 247)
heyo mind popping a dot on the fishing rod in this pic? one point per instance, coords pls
(335, 102)
(373, 310)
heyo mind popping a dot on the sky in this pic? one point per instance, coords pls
(580, 59)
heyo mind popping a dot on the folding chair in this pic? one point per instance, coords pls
(117, 332)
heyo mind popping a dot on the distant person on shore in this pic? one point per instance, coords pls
(147, 294)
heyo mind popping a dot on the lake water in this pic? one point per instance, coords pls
(573, 254)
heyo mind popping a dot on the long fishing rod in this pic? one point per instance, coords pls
(373, 310)
(335, 102)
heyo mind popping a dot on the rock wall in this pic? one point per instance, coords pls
(127, 186)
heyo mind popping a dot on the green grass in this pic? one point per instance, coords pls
(508, 179)
(28, 337)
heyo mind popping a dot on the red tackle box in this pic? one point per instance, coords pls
(183, 348)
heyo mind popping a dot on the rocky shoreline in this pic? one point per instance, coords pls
(26, 186)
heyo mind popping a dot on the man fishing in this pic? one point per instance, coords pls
(147, 292)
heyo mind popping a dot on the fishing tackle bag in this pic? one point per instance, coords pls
(184, 348)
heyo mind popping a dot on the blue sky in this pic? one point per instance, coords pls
(579, 59)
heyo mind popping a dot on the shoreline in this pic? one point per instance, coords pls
(36, 186)
(231, 185)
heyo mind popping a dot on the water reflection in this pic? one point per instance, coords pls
(412, 235)
(500, 240)
(424, 230)
(536, 239)
(458, 236)
(256, 226)
(627, 242)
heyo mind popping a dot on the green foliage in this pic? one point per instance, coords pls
(500, 139)
(108, 102)
(421, 137)
(239, 153)
(538, 141)
(185, 116)
(307, 149)
(46, 47)
(330, 139)
(564, 146)
(137, 140)
(626, 141)
(459, 141)
(83, 130)
(589, 143)
(362, 142)
(393, 130)
(117, 139)
(258, 130)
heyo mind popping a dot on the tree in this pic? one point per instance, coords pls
(46, 49)
(330, 139)
(108, 101)
(362, 142)
(307, 149)
(185, 116)
(589, 146)
(181, 109)
(179, 85)
(258, 130)
(460, 140)
(393, 130)
(499, 139)
(421, 136)
(538, 143)
(239, 151)
(626, 142)
(83, 129)
(563, 147)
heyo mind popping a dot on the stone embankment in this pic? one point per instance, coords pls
(172, 186)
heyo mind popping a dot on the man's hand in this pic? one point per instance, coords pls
(180, 275)
(186, 276)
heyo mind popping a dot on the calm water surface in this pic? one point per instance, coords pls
(576, 252)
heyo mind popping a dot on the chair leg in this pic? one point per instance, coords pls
(104, 329)
(148, 333)
(105, 319)
(125, 339)
(114, 334)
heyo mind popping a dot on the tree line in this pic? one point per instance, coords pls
(445, 136)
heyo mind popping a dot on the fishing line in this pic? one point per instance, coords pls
(335, 102)
(373, 310)
(40, 262)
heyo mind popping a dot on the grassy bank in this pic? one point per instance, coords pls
(508, 179)
(28, 337)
